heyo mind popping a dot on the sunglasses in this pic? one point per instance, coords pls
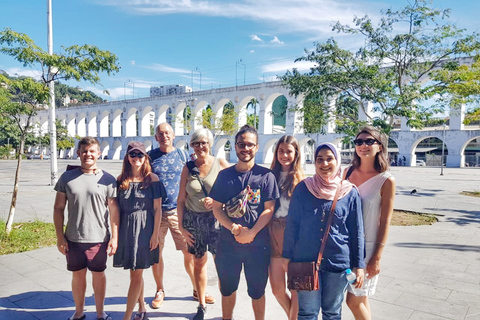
(136, 155)
(368, 142)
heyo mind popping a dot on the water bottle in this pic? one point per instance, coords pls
(351, 278)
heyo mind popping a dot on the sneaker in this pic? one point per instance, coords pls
(158, 301)
(201, 312)
(208, 298)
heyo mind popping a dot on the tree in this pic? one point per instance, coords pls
(389, 70)
(253, 104)
(225, 124)
(75, 62)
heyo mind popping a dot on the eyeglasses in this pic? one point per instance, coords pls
(136, 155)
(200, 144)
(243, 145)
(368, 142)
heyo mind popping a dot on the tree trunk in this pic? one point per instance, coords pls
(11, 214)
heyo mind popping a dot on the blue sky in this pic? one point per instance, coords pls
(160, 42)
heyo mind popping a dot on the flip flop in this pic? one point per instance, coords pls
(140, 316)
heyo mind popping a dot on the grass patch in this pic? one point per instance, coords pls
(408, 218)
(26, 236)
(471, 193)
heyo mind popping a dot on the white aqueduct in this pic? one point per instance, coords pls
(117, 123)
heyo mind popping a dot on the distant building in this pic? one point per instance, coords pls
(169, 90)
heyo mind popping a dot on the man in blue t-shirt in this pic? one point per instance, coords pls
(167, 163)
(248, 192)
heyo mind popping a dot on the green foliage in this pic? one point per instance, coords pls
(389, 70)
(473, 116)
(75, 62)
(62, 90)
(226, 124)
(26, 236)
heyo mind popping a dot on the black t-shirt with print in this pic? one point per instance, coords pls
(263, 187)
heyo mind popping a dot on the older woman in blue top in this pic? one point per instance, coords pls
(307, 216)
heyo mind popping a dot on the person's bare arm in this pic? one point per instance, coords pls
(386, 211)
(182, 196)
(114, 222)
(59, 219)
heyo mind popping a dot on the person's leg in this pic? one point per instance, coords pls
(79, 286)
(228, 263)
(309, 304)
(228, 304)
(278, 284)
(136, 277)
(359, 306)
(333, 286)
(99, 283)
(157, 269)
(258, 306)
(256, 262)
(293, 315)
(200, 276)
(141, 299)
(189, 267)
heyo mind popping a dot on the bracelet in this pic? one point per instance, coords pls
(381, 244)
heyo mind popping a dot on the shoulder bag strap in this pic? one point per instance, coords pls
(190, 165)
(327, 227)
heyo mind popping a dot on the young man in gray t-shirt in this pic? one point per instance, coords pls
(89, 194)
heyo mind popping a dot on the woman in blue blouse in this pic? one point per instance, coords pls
(307, 215)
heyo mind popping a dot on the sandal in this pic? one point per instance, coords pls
(140, 316)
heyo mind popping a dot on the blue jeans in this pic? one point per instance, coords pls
(329, 298)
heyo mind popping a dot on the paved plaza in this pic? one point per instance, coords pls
(428, 272)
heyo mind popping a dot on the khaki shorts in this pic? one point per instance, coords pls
(170, 221)
(276, 228)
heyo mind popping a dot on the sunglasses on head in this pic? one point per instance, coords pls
(368, 142)
(134, 154)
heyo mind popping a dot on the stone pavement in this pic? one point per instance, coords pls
(428, 272)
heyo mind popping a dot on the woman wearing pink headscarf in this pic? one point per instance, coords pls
(306, 221)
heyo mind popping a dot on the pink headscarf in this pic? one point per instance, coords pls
(326, 188)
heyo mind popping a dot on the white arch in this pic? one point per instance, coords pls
(145, 118)
(81, 124)
(92, 124)
(104, 124)
(116, 149)
(131, 123)
(116, 123)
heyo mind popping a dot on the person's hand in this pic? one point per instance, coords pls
(245, 236)
(154, 241)
(373, 267)
(62, 245)
(208, 203)
(112, 246)
(189, 238)
(360, 273)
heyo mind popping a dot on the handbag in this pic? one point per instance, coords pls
(192, 168)
(304, 275)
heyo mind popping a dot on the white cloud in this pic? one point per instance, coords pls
(311, 16)
(252, 51)
(284, 65)
(275, 40)
(132, 62)
(164, 68)
(254, 37)
(35, 74)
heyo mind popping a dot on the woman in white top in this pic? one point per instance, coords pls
(377, 191)
(287, 169)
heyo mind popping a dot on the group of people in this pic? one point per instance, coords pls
(248, 216)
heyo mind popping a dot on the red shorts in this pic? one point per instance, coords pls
(87, 255)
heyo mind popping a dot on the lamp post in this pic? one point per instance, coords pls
(443, 148)
(240, 62)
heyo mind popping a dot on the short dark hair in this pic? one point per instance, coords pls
(87, 141)
(246, 129)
